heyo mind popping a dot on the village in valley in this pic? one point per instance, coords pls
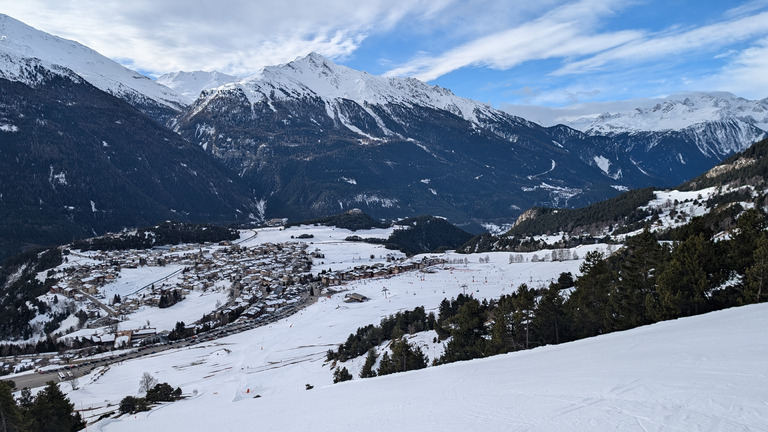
(120, 301)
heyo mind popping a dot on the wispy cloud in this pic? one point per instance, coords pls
(746, 74)
(570, 50)
(232, 36)
(650, 47)
(565, 32)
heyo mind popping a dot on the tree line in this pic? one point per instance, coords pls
(644, 282)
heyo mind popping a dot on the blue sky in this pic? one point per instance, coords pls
(507, 53)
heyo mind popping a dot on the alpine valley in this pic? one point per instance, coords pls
(225, 252)
(89, 146)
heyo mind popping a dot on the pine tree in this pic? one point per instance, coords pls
(524, 303)
(502, 337)
(10, 414)
(404, 357)
(341, 375)
(643, 259)
(53, 412)
(162, 392)
(549, 316)
(370, 361)
(748, 230)
(588, 303)
(467, 334)
(756, 286)
(683, 285)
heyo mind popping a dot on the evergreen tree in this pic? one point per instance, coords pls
(642, 259)
(53, 412)
(524, 303)
(682, 287)
(549, 316)
(749, 227)
(756, 286)
(404, 357)
(128, 405)
(26, 399)
(162, 392)
(10, 414)
(467, 334)
(370, 361)
(565, 280)
(588, 303)
(502, 337)
(341, 375)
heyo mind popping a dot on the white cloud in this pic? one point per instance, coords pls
(236, 37)
(564, 32)
(745, 75)
(680, 42)
(747, 8)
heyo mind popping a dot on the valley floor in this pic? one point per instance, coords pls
(702, 373)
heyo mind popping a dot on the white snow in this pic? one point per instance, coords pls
(702, 373)
(676, 112)
(195, 305)
(133, 281)
(191, 84)
(603, 163)
(23, 42)
(316, 76)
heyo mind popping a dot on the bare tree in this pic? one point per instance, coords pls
(72, 380)
(147, 382)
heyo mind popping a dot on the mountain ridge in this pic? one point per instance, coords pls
(21, 42)
(310, 108)
(66, 178)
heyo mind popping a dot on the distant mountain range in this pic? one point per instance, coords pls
(309, 139)
(316, 138)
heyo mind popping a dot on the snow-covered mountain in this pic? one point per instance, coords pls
(719, 123)
(316, 76)
(677, 112)
(20, 44)
(77, 160)
(313, 138)
(318, 138)
(190, 84)
(305, 128)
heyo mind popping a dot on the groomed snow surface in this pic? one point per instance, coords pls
(702, 373)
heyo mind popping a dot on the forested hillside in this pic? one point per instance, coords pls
(736, 184)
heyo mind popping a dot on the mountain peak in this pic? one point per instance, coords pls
(316, 76)
(314, 59)
(21, 42)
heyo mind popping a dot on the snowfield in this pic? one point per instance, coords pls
(702, 373)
